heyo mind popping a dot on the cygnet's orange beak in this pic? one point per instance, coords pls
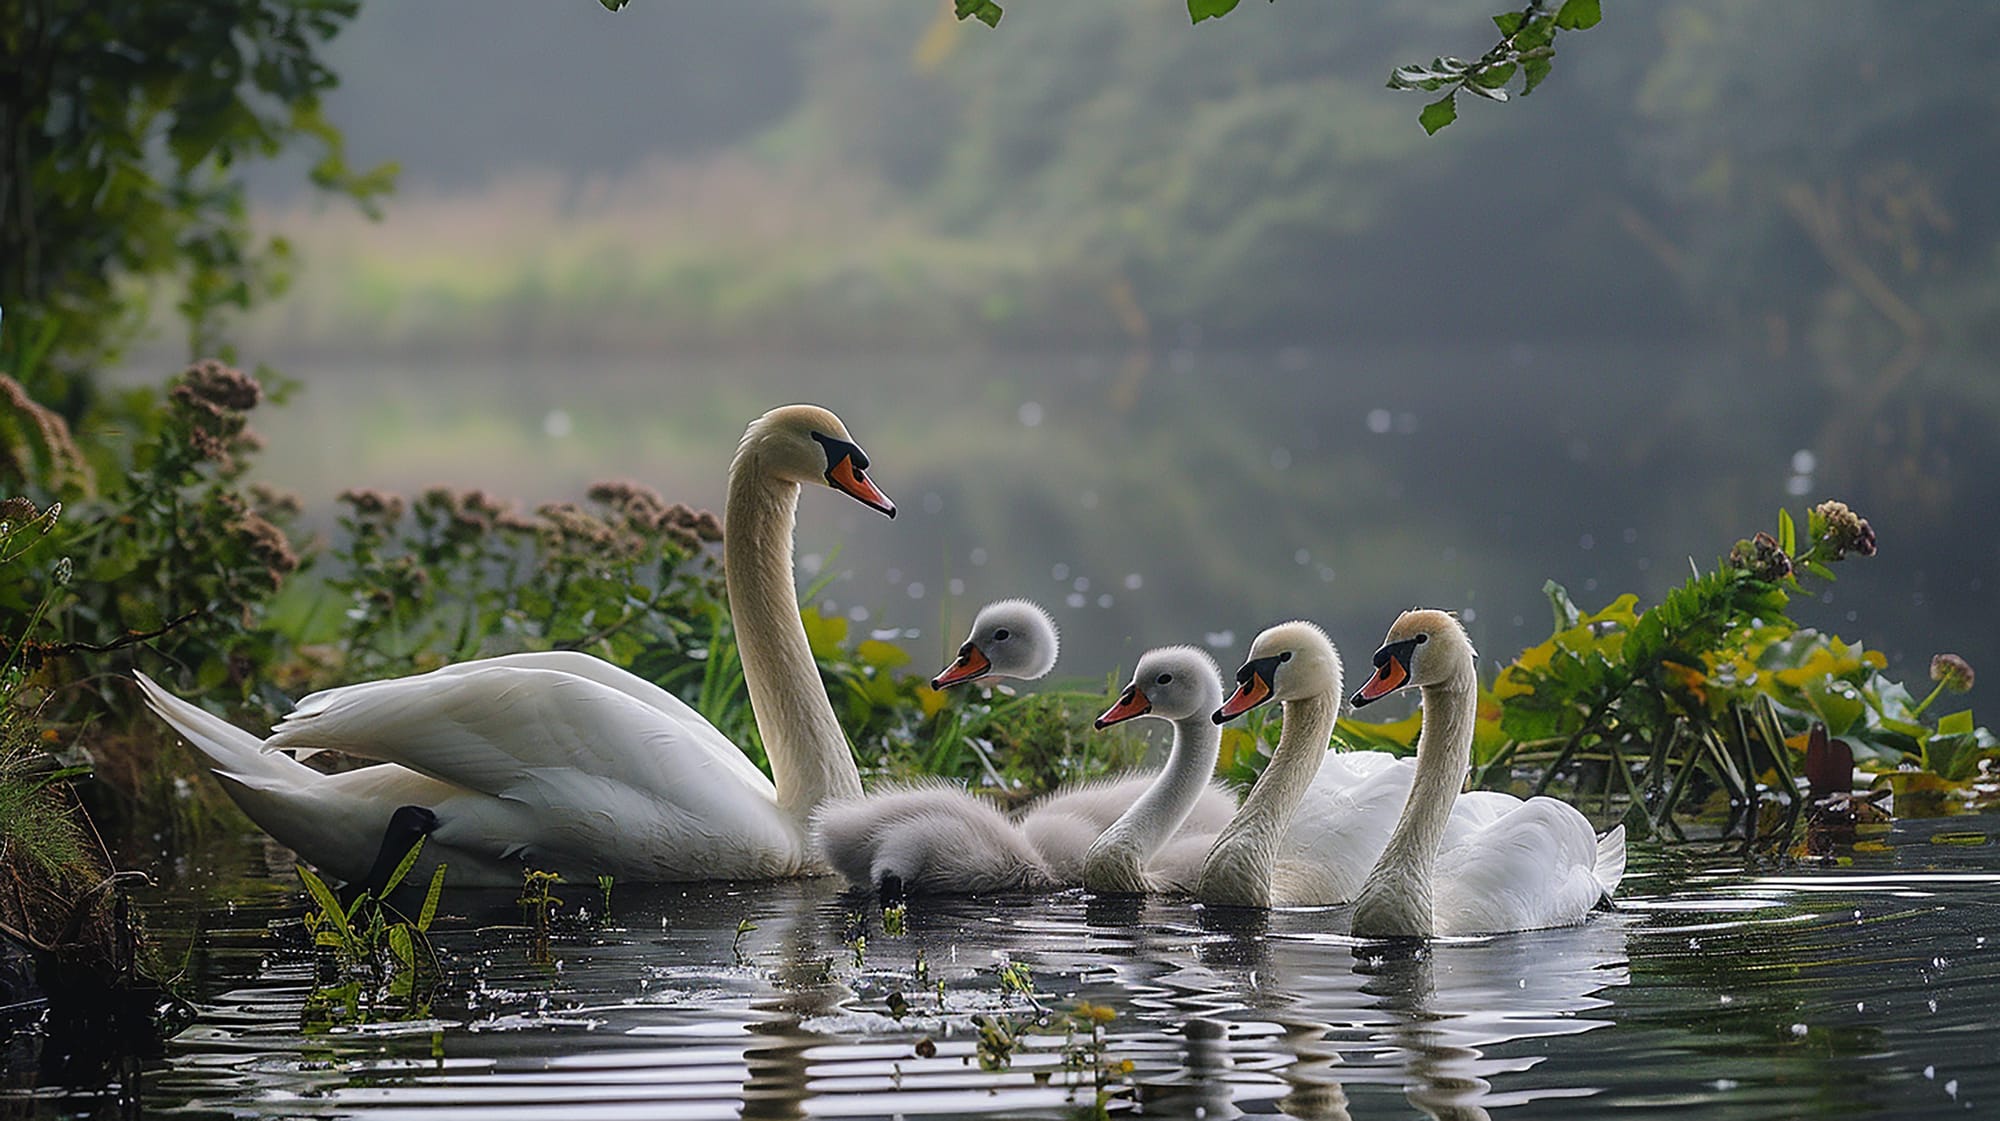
(1252, 692)
(1133, 703)
(972, 664)
(853, 481)
(1389, 676)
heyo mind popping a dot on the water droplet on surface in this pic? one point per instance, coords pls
(1804, 462)
(916, 589)
(1799, 1031)
(1380, 421)
(1798, 486)
(858, 613)
(1082, 584)
(978, 555)
(933, 502)
(557, 424)
(1134, 581)
(1059, 572)
(1586, 542)
(956, 586)
(1030, 414)
(1104, 600)
(1075, 599)
(1302, 557)
(1219, 638)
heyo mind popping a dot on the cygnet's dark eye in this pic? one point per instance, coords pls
(1422, 638)
(1164, 679)
(1002, 635)
(1285, 657)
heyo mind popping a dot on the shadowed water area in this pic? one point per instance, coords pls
(1717, 990)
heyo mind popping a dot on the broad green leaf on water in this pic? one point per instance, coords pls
(1438, 114)
(1837, 703)
(1199, 10)
(882, 655)
(1788, 534)
(824, 633)
(429, 914)
(1954, 838)
(1578, 15)
(985, 11)
(403, 867)
(1509, 22)
(1958, 723)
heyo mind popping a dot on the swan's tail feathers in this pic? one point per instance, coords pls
(232, 753)
(1611, 859)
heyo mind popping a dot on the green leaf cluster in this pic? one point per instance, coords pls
(128, 127)
(384, 964)
(1526, 48)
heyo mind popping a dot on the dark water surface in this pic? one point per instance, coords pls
(1719, 990)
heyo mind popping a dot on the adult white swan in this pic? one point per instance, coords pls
(1315, 820)
(565, 761)
(1537, 864)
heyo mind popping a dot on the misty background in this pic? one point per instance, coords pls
(1181, 331)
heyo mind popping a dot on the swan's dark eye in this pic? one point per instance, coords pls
(1002, 635)
(1164, 679)
(1285, 657)
(1422, 638)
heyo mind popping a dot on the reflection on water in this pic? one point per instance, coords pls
(1714, 992)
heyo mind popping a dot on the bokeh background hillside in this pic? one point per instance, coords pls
(1177, 330)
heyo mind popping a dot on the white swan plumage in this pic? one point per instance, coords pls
(937, 837)
(1504, 864)
(565, 761)
(1139, 852)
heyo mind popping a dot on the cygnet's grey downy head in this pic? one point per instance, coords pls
(1424, 647)
(808, 445)
(1010, 638)
(1288, 662)
(1172, 683)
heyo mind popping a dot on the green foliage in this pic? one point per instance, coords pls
(1526, 48)
(384, 966)
(538, 906)
(175, 550)
(127, 124)
(1716, 687)
(985, 11)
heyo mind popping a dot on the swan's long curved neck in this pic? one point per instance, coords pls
(810, 759)
(1145, 825)
(1396, 900)
(1240, 866)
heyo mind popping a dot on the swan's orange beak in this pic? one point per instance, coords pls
(972, 664)
(1133, 703)
(1252, 692)
(1389, 676)
(854, 482)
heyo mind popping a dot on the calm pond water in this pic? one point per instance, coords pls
(1718, 990)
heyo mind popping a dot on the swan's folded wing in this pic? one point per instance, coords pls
(500, 728)
(577, 664)
(1533, 867)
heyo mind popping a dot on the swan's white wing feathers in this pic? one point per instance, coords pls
(494, 728)
(1533, 867)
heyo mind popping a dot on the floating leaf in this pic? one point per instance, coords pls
(1956, 838)
(1199, 10)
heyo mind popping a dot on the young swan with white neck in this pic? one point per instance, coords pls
(1537, 864)
(1178, 684)
(566, 761)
